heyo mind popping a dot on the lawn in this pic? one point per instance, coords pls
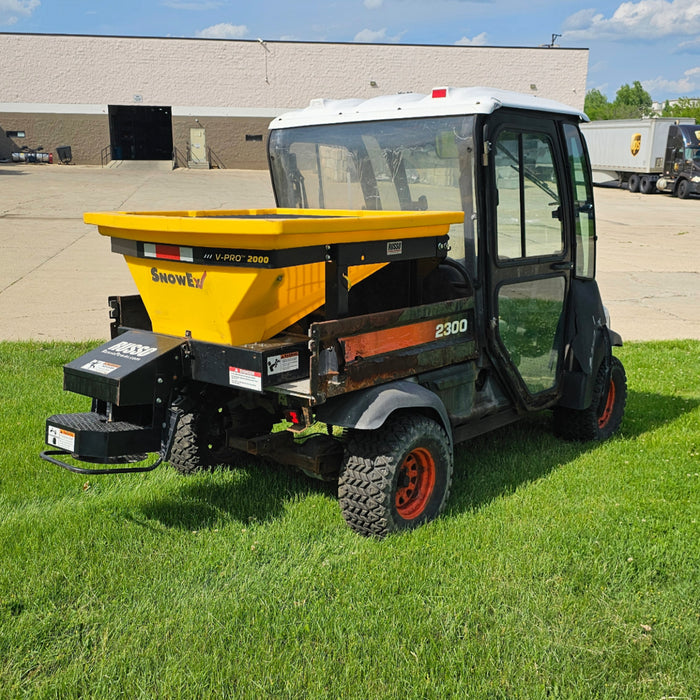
(558, 570)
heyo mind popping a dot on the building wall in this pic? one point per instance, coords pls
(227, 139)
(86, 134)
(59, 86)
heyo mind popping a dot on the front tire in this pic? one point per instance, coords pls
(683, 189)
(604, 416)
(396, 477)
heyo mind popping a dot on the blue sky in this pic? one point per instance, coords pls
(654, 41)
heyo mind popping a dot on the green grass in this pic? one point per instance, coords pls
(558, 571)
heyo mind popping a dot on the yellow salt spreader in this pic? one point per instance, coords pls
(245, 318)
(238, 277)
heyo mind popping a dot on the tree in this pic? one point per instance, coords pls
(684, 107)
(596, 105)
(632, 101)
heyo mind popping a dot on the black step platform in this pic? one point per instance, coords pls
(90, 436)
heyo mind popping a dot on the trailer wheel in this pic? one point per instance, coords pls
(604, 416)
(683, 189)
(647, 185)
(633, 182)
(396, 477)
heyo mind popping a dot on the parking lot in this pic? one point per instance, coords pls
(57, 271)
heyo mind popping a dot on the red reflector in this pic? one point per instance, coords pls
(439, 92)
(167, 252)
(294, 417)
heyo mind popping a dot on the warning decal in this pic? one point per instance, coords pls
(278, 364)
(63, 439)
(245, 378)
(100, 366)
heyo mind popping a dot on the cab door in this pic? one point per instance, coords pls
(529, 261)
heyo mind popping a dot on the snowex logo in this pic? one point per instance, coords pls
(185, 279)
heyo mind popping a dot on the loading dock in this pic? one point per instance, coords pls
(140, 132)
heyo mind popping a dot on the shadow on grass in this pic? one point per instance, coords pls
(496, 464)
(256, 492)
(486, 468)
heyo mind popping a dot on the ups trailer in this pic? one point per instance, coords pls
(648, 155)
(427, 276)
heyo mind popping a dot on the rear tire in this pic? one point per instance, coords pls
(396, 477)
(633, 183)
(604, 416)
(200, 438)
(192, 450)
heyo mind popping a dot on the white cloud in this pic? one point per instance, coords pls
(370, 36)
(224, 30)
(478, 40)
(373, 4)
(692, 46)
(645, 19)
(686, 86)
(11, 11)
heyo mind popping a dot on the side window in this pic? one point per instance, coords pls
(528, 210)
(582, 188)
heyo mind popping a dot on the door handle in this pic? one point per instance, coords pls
(568, 265)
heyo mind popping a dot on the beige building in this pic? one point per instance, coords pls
(208, 102)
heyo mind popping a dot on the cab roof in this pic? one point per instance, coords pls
(441, 102)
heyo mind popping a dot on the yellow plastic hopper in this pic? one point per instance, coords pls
(242, 276)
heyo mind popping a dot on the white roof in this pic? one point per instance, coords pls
(446, 101)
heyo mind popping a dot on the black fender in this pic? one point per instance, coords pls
(615, 338)
(368, 409)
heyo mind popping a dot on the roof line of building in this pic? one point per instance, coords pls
(279, 41)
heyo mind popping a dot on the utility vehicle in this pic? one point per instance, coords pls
(426, 277)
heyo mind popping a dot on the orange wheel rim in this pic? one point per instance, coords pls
(416, 483)
(609, 405)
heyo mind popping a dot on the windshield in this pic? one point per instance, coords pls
(408, 165)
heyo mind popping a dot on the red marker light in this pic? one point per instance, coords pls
(439, 92)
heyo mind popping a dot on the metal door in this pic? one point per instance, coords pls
(198, 145)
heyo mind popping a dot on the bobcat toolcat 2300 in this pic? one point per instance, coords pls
(427, 276)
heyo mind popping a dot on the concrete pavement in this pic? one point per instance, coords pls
(57, 271)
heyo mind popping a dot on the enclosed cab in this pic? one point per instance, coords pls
(517, 167)
(440, 250)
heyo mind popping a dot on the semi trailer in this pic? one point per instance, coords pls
(427, 276)
(648, 155)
